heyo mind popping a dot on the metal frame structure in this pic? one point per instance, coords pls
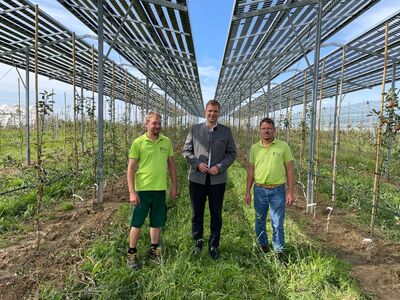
(17, 23)
(155, 37)
(26, 33)
(267, 37)
(363, 67)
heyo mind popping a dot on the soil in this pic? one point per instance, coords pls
(378, 277)
(63, 238)
(66, 234)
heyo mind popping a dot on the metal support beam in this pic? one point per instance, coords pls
(390, 140)
(268, 91)
(119, 30)
(147, 83)
(167, 4)
(27, 125)
(165, 104)
(82, 114)
(259, 80)
(373, 53)
(100, 118)
(6, 11)
(272, 9)
(310, 179)
(249, 125)
(240, 109)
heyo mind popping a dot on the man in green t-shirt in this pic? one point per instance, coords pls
(150, 156)
(270, 167)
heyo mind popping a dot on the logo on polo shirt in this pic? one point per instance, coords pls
(163, 149)
(276, 154)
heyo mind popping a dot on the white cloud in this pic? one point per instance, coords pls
(208, 72)
(208, 80)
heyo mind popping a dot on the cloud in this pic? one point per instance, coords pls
(208, 80)
(209, 73)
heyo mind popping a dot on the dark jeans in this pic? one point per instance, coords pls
(198, 194)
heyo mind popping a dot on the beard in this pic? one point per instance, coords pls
(155, 131)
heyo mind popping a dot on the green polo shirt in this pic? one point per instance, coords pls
(269, 163)
(151, 174)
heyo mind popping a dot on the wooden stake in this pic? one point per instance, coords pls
(39, 181)
(65, 120)
(280, 110)
(378, 137)
(75, 150)
(337, 137)
(290, 112)
(303, 125)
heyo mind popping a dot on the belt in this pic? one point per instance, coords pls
(268, 186)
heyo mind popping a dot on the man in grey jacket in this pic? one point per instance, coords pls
(210, 150)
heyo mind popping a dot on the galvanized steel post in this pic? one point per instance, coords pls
(310, 180)
(100, 121)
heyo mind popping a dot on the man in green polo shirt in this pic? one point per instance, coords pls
(150, 156)
(270, 167)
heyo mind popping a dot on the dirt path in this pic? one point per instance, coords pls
(378, 278)
(22, 267)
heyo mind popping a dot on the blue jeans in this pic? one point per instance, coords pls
(276, 200)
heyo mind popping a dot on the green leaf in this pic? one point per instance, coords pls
(97, 267)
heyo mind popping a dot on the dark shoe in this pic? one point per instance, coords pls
(214, 253)
(282, 258)
(154, 254)
(133, 261)
(265, 248)
(198, 245)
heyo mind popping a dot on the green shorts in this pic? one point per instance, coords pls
(153, 201)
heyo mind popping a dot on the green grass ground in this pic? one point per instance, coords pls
(243, 272)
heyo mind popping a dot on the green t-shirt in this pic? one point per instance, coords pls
(269, 163)
(151, 174)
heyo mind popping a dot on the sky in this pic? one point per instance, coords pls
(210, 21)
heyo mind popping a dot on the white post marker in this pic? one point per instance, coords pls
(330, 209)
(368, 242)
(313, 208)
(304, 193)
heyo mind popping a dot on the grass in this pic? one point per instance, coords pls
(243, 272)
(60, 180)
(66, 206)
(356, 165)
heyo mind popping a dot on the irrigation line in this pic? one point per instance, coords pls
(17, 189)
(34, 186)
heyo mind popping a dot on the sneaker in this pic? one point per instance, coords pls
(265, 248)
(133, 261)
(198, 245)
(154, 254)
(214, 253)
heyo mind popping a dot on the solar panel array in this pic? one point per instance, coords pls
(363, 68)
(17, 27)
(153, 36)
(267, 37)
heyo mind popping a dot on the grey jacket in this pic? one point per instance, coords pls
(196, 149)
